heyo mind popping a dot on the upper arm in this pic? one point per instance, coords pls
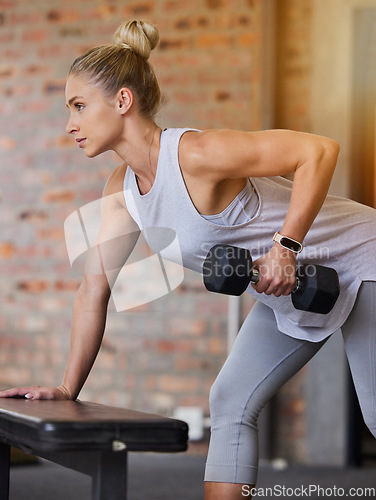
(226, 154)
(118, 233)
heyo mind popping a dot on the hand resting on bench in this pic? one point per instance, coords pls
(37, 392)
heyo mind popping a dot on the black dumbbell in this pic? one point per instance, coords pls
(228, 269)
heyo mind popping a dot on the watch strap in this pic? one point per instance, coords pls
(288, 243)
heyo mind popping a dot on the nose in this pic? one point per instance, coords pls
(71, 127)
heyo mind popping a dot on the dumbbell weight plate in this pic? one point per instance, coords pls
(318, 289)
(227, 269)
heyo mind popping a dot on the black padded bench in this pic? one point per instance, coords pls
(86, 437)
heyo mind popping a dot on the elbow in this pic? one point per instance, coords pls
(328, 154)
(94, 291)
(331, 150)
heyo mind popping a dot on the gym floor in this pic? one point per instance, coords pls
(179, 477)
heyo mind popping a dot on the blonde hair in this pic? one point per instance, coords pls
(125, 64)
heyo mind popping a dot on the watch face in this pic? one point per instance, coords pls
(295, 246)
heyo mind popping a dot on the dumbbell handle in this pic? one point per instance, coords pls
(316, 287)
(255, 278)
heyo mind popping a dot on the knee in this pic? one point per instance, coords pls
(218, 396)
(223, 399)
(229, 403)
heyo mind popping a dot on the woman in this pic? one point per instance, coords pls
(219, 187)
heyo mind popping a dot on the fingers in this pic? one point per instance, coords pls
(41, 393)
(16, 392)
(277, 271)
(34, 392)
(275, 286)
(275, 279)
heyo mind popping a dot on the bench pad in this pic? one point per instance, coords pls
(73, 425)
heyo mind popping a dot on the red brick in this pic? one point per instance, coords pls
(57, 52)
(33, 286)
(7, 71)
(38, 35)
(6, 38)
(54, 87)
(213, 78)
(247, 39)
(222, 95)
(7, 143)
(65, 141)
(4, 4)
(189, 60)
(241, 21)
(36, 69)
(33, 252)
(58, 196)
(37, 106)
(66, 286)
(176, 5)
(187, 97)
(213, 40)
(50, 233)
(175, 383)
(139, 9)
(182, 80)
(188, 327)
(174, 43)
(20, 89)
(25, 18)
(72, 31)
(63, 16)
(106, 12)
(192, 23)
(7, 250)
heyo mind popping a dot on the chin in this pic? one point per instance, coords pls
(93, 153)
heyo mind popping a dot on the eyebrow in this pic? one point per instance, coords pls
(73, 99)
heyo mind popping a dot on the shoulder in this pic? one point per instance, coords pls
(210, 153)
(196, 148)
(227, 154)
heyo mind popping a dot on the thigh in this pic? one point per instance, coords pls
(359, 334)
(262, 360)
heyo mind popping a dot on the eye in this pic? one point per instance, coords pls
(79, 107)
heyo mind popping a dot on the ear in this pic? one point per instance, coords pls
(124, 100)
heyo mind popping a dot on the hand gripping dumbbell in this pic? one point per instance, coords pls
(228, 269)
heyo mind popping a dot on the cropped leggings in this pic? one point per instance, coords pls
(261, 361)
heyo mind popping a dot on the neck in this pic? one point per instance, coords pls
(140, 150)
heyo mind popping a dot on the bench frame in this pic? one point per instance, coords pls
(96, 446)
(107, 469)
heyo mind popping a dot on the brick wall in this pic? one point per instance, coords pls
(166, 353)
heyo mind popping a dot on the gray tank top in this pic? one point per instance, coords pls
(342, 236)
(241, 209)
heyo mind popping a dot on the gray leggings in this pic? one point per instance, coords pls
(261, 361)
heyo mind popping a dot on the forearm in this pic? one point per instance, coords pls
(310, 188)
(88, 325)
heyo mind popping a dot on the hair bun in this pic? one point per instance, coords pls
(140, 36)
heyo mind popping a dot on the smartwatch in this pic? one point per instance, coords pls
(289, 243)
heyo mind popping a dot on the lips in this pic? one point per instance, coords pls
(81, 141)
